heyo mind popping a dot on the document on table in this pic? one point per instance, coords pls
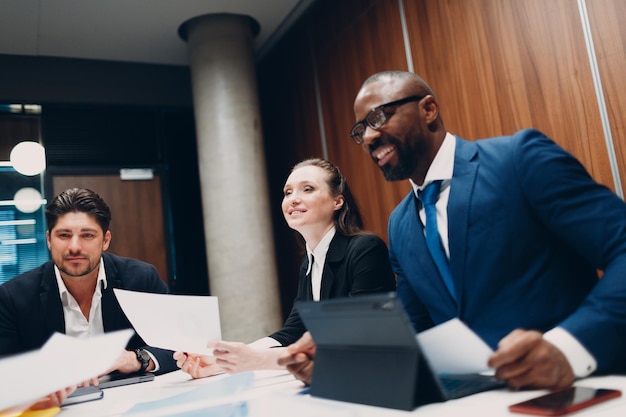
(452, 347)
(63, 361)
(176, 322)
(238, 395)
(221, 391)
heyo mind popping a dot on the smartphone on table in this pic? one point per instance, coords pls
(564, 401)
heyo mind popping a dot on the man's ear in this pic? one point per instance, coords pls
(106, 241)
(431, 109)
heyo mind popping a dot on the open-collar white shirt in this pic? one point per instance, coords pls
(76, 324)
(317, 259)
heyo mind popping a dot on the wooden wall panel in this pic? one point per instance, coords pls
(137, 216)
(498, 66)
(370, 41)
(608, 30)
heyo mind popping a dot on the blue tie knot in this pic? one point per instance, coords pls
(430, 194)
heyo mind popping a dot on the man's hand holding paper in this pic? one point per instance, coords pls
(453, 348)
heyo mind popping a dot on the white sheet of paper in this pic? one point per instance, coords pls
(452, 347)
(177, 322)
(63, 361)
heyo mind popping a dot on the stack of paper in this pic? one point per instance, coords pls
(63, 361)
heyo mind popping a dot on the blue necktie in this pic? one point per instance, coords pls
(428, 197)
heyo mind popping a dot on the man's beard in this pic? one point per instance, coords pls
(406, 163)
(80, 273)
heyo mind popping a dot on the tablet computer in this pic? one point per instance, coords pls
(116, 379)
(83, 394)
(367, 352)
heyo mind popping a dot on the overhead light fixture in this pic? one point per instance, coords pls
(28, 158)
(28, 200)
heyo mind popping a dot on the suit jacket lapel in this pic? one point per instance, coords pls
(110, 318)
(50, 300)
(335, 254)
(462, 186)
(305, 290)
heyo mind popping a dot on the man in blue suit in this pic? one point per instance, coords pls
(523, 227)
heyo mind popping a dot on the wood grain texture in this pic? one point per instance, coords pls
(369, 41)
(498, 66)
(607, 20)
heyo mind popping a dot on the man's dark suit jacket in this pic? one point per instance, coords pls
(355, 265)
(31, 309)
(528, 229)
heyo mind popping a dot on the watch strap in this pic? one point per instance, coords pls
(144, 359)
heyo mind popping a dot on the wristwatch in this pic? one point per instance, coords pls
(144, 359)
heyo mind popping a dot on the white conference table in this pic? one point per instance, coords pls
(277, 394)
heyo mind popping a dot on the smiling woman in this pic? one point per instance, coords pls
(309, 205)
(341, 261)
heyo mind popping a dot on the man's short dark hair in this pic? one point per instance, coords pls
(75, 200)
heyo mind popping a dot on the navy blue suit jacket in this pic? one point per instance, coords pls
(31, 309)
(528, 230)
(355, 265)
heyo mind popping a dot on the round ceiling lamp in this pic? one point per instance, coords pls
(28, 200)
(28, 158)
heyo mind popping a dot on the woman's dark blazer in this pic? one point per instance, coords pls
(355, 265)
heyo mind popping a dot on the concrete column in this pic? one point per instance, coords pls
(235, 198)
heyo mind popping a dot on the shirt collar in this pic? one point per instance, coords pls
(320, 250)
(442, 166)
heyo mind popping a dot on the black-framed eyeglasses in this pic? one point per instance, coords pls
(377, 117)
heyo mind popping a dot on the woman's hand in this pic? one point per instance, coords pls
(198, 366)
(235, 357)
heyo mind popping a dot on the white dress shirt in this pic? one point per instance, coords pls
(76, 324)
(317, 259)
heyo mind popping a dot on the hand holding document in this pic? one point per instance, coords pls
(177, 322)
(63, 361)
(452, 347)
